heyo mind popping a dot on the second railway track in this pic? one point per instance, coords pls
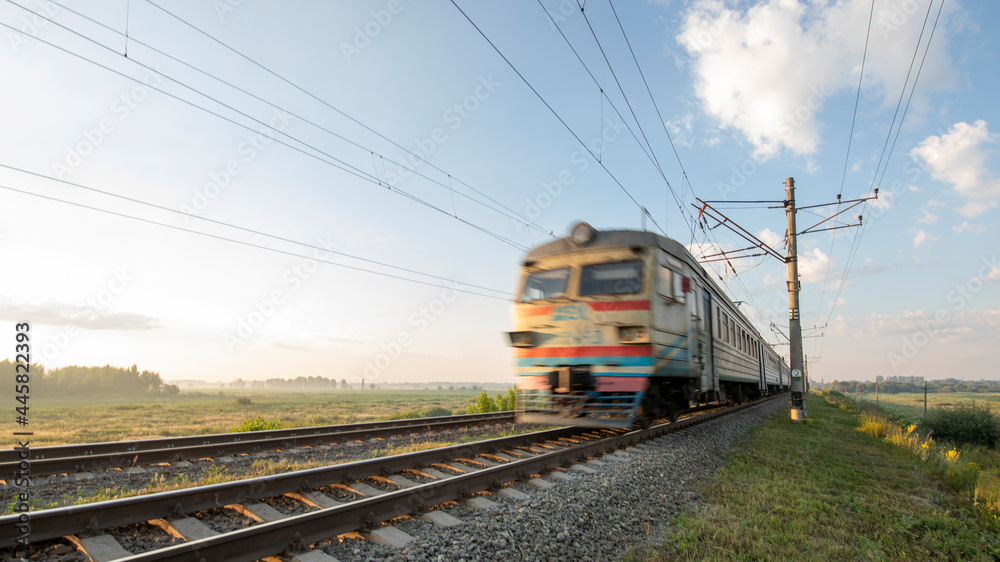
(92, 457)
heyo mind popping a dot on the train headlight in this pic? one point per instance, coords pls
(633, 334)
(582, 234)
(522, 339)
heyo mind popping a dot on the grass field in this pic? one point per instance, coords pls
(911, 405)
(70, 420)
(825, 491)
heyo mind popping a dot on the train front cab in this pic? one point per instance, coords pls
(582, 336)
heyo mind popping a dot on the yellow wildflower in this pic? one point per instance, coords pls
(953, 455)
(911, 429)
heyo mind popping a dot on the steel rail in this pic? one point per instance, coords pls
(87, 449)
(295, 533)
(250, 442)
(57, 522)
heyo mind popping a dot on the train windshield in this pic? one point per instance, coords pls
(545, 285)
(617, 278)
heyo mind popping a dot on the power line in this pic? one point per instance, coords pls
(857, 240)
(340, 112)
(338, 163)
(258, 246)
(557, 116)
(651, 98)
(650, 154)
(243, 228)
(847, 155)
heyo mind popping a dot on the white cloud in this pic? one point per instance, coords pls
(857, 165)
(927, 218)
(811, 166)
(920, 237)
(959, 159)
(943, 324)
(813, 265)
(681, 130)
(771, 238)
(91, 316)
(767, 70)
(966, 226)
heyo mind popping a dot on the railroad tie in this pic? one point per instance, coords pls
(187, 528)
(315, 555)
(315, 499)
(259, 511)
(101, 548)
(390, 536)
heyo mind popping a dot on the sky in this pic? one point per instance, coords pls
(244, 189)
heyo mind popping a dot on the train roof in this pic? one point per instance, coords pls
(611, 239)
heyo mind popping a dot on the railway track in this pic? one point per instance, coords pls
(410, 483)
(93, 457)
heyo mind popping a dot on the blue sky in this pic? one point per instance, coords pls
(394, 132)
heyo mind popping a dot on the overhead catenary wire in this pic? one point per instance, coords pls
(558, 117)
(337, 163)
(650, 155)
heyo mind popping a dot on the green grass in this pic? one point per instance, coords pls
(68, 420)
(824, 490)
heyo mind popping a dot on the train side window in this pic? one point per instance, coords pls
(718, 328)
(679, 294)
(665, 284)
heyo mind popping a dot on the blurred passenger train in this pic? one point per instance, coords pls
(618, 327)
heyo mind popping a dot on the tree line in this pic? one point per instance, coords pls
(896, 387)
(87, 381)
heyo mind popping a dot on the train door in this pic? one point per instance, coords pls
(711, 377)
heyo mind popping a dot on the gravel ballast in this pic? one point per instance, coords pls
(596, 516)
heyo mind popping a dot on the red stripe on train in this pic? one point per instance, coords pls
(590, 351)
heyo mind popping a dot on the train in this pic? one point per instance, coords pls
(614, 328)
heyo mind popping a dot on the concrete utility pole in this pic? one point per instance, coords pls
(794, 323)
(707, 212)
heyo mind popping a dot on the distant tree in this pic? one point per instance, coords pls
(372, 386)
(343, 384)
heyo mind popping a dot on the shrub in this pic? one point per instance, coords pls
(428, 412)
(965, 423)
(483, 404)
(257, 423)
(244, 401)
